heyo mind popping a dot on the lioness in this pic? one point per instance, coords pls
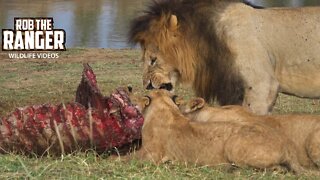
(230, 51)
(302, 130)
(168, 135)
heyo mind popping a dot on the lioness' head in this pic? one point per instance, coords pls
(165, 51)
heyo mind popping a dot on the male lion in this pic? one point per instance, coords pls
(229, 51)
(302, 130)
(168, 135)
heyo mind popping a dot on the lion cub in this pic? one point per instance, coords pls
(168, 135)
(302, 130)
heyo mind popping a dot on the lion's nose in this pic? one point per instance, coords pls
(129, 89)
(150, 87)
(167, 86)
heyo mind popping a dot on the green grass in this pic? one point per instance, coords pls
(92, 166)
(25, 82)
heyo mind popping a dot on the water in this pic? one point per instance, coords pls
(96, 23)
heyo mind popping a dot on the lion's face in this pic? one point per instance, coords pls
(163, 53)
(167, 55)
(158, 73)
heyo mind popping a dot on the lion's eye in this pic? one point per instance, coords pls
(153, 60)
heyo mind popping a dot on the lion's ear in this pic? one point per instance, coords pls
(146, 100)
(129, 89)
(178, 100)
(196, 103)
(173, 23)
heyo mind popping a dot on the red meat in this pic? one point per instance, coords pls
(92, 122)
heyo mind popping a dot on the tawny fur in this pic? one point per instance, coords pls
(229, 51)
(168, 135)
(302, 130)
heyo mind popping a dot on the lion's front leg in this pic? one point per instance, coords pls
(260, 95)
(257, 68)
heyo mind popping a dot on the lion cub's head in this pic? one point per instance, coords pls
(158, 108)
(156, 99)
(198, 110)
(191, 106)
